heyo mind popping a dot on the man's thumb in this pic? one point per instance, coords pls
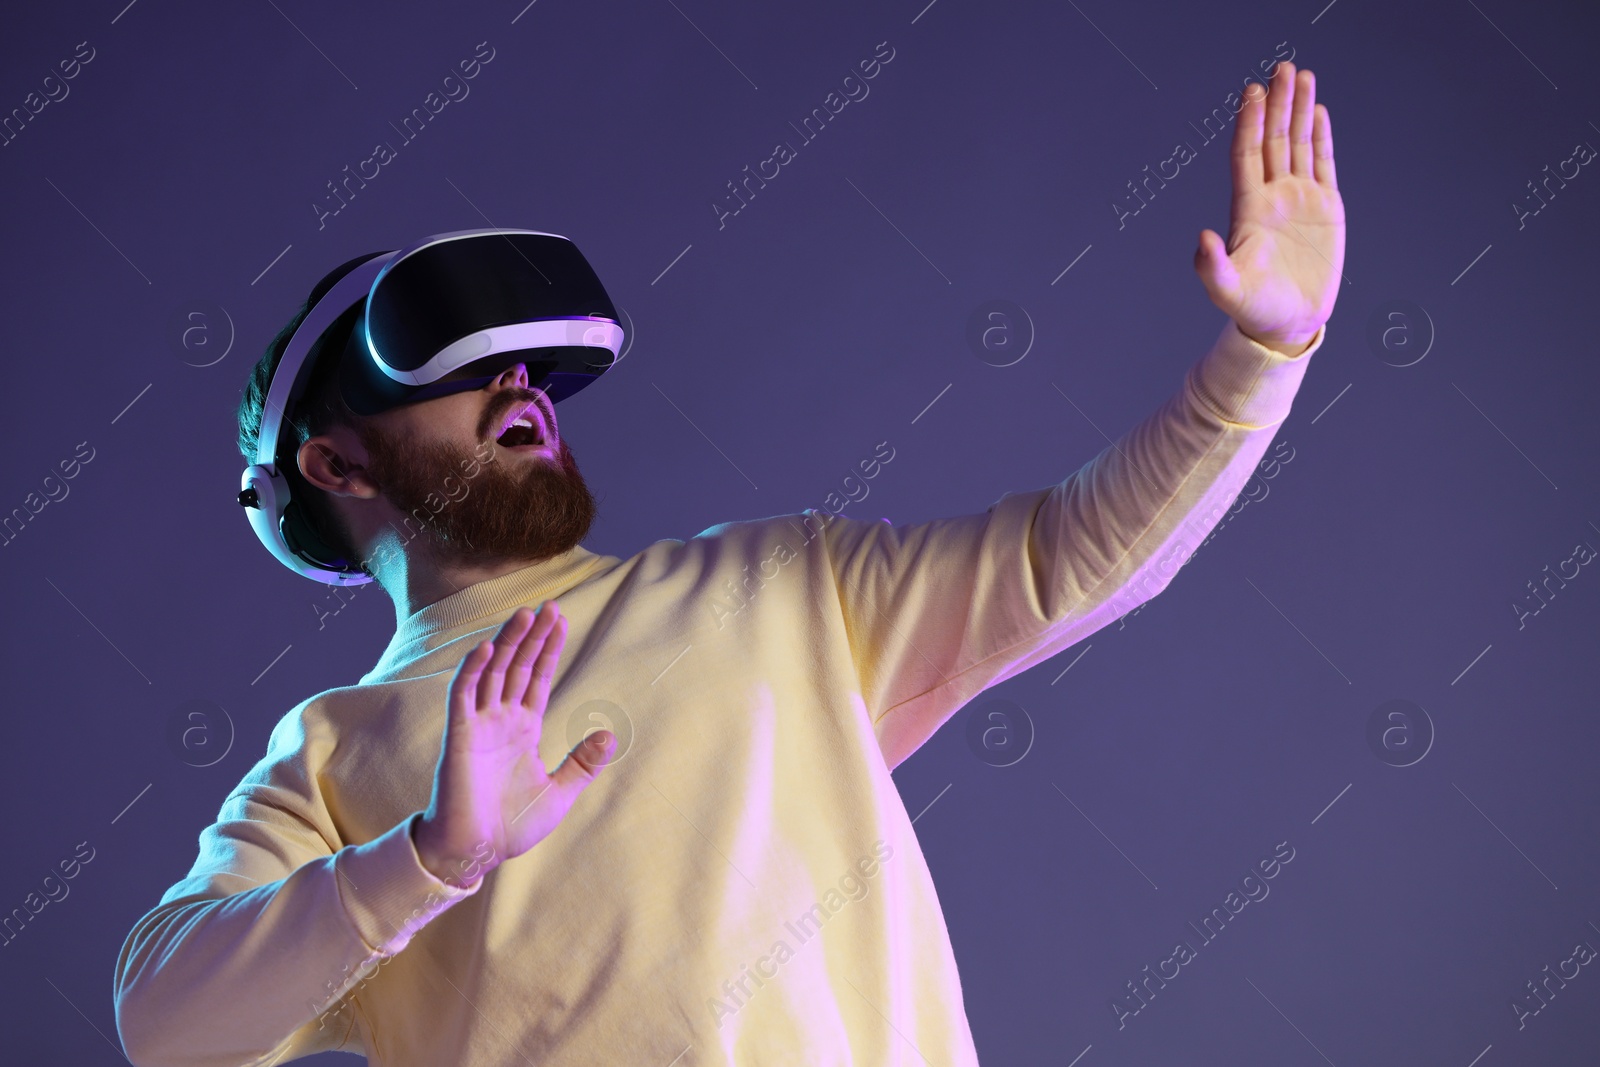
(1217, 272)
(585, 761)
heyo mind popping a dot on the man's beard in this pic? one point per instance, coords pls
(514, 507)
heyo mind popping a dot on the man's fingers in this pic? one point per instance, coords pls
(492, 686)
(524, 663)
(1275, 146)
(464, 688)
(544, 667)
(1305, 100)
(1247, 166)
(1322, 148)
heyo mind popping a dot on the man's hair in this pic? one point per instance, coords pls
(319, 409)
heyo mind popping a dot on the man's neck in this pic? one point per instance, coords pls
(414, 584)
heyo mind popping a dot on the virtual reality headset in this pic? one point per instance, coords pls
(444, 315)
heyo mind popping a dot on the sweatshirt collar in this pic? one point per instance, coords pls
(498, 596)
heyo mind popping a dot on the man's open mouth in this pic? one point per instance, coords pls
(520, 434)
(524, 427)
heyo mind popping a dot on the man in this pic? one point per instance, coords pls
(739, 881)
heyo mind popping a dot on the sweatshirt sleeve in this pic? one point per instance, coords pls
(254, 955)
(937, 612)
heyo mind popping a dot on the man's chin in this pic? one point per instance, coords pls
(526, 503)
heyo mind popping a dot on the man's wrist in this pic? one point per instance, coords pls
(1292, 345)
(456, 871)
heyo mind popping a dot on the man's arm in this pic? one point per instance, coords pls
(938, 612)
(252, 954)
(243, 960)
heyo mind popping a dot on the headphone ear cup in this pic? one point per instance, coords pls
(303, 540)
(299, 531)
(291, 537)
(268, 489)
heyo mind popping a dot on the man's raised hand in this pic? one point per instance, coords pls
(1278, 275)
(491, 792)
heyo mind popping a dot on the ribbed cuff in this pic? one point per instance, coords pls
(1243, 381)
(388, 895)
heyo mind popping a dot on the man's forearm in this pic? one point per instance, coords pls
(958, 605)
(224, 980)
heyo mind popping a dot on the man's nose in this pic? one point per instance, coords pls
(516, 374)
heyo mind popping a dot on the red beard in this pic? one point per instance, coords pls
(529, 507)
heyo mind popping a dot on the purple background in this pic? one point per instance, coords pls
(1224, 717)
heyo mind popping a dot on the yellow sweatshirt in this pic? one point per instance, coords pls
(743, 885)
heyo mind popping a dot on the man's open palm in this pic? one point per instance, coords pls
(491, 788)
(1278, 275)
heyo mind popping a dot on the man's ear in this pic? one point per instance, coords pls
(333, 463)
